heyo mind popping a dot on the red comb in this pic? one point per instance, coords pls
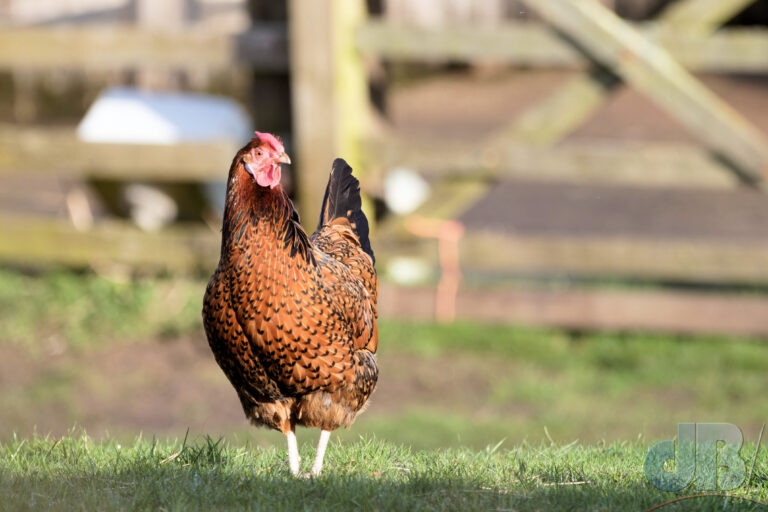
(270, 139)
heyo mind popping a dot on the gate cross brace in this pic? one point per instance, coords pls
(621, 54)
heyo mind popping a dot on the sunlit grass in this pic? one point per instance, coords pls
(579, 386)
(74, 473)
(60, 310)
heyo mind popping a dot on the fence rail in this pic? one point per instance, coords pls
(594, 161)
(656, 260)
(264, 47)
(624, 310)
(531, 44)
(59, 151)
(43, 241)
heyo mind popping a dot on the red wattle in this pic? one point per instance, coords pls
(269, 177)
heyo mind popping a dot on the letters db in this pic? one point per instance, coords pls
(708, 452)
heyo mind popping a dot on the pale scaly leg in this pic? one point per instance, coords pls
(293, 452)
(321, 445)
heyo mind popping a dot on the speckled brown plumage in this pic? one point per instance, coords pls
(291, 319)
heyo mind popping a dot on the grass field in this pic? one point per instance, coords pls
(76, 473)
(77, 349)
(466, 416)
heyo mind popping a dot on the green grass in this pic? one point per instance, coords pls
(505, 381)
(76, 473)
(593, 386)
(470, 386)
(82, 311)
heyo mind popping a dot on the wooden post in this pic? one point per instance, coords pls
(311, 56)
(329, 93)
(350, 85)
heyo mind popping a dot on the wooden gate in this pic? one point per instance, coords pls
(656, 58)
(330, 40)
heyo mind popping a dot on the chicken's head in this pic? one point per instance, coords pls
(263, 157)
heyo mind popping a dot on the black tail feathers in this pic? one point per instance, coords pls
(342, 199)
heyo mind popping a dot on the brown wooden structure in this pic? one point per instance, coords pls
(331, 117)
(657, 60)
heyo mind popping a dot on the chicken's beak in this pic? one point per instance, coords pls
(284, 159)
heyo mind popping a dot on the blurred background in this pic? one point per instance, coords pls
(569, 202)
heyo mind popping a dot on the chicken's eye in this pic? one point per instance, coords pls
(258, 153)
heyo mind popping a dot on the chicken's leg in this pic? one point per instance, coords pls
(293, 452)
(321, 445)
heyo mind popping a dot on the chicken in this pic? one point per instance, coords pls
(291, 318)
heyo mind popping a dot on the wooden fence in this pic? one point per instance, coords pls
(264, 46)
(654, 58)
(331, 38)
(57, 150)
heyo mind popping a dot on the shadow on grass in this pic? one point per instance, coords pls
(215, 488)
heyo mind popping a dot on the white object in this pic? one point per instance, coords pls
(404, 190)
(409, 271)
(150, 207)
(122, 115)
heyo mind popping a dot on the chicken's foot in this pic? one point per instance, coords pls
(317, 466)
(293, 453)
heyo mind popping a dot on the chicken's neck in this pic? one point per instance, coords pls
(252, 211)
